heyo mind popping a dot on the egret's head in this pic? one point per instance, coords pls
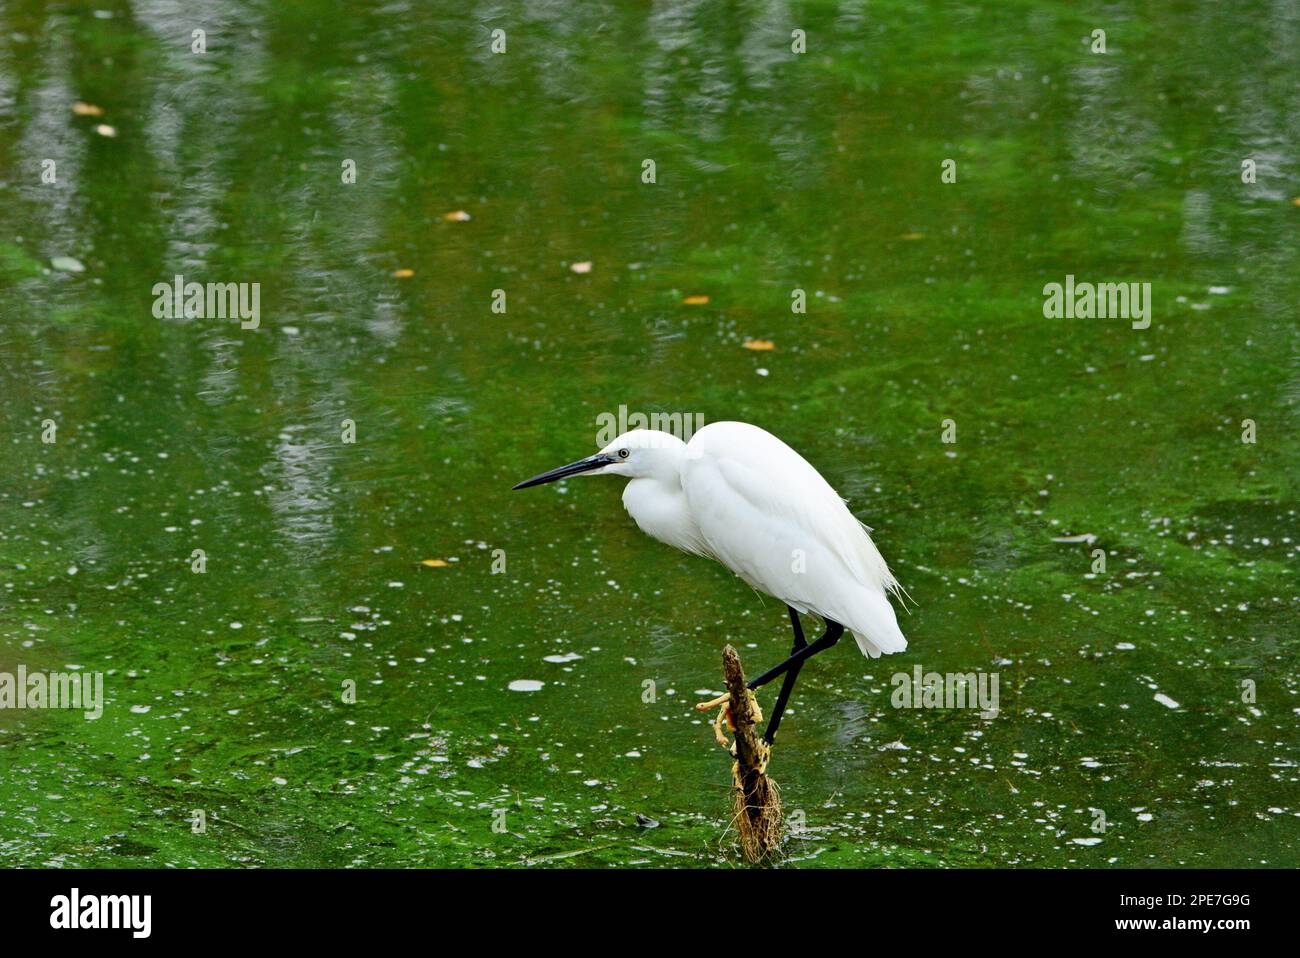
(636, 454)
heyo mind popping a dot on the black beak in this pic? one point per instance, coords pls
(572, 469)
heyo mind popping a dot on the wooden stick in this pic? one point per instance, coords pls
(757, 802)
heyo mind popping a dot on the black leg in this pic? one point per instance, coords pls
(832, 635)
(787, 685)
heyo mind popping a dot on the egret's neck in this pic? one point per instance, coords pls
(658, 505)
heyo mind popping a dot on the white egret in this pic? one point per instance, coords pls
(738, 494)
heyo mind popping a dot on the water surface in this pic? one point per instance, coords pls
(774, 171)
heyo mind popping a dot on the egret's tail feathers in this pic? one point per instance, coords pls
(875, 627)
(873, 563)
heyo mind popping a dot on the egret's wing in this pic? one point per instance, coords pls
(736, 465)
(770, 517)
(762, 545)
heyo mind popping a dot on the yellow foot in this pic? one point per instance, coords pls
(763, 760)
(722, 704)
(712, 704)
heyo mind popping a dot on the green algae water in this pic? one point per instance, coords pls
(463, 262)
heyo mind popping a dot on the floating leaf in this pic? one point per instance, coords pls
(403, 273)
(457, 216)
(67, 264)
(695, 300)
(759, 344)
(105, 130)
(434, 563)
(913, 236)
(583, 267)
(87, 109)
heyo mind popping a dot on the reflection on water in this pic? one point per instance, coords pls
(775, 171)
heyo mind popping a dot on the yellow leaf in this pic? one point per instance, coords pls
(433, 563)
(87, 109)
(403, 273)
(456, 216)
(695, 300)
(1296, 200)
(583, 267)
(913, 236)
(760, 344)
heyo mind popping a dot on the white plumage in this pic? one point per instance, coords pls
(738, 494)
